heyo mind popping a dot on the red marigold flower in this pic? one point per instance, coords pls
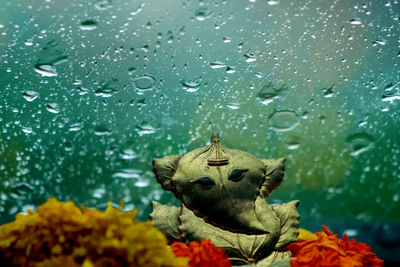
(328, 251)
(203, 254)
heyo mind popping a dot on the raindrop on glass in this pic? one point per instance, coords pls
(144, 83)
(46, 70)
(328, 92)
(88, 25)
(283, 120)
(102, 130)
(105, 91)
(30, 95)
(103, 4)
(227, 40)
(26, 129)
(99, 193)
(145, 129)
(359, 143)
(293, 145)
(22, 189)
(128, 152)
(273, 2)
(27, 207)
(230, 70)
(202, 13)
(351, 232)
(233, 106)
(141, 182)
(249, 57)
(191, 86)
(50, 56)
(355, 21)
(127, 173)
(28, 42)
(76, 127)
(391, 93)
(217, 65)
(270, 93)
(53, 108)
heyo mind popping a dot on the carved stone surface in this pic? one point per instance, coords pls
(223, 192)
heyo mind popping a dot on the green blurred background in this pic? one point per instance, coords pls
(92, 91)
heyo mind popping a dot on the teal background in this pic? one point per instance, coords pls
(92, 91)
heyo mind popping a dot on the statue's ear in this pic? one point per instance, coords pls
(164, 168)
(275, 170)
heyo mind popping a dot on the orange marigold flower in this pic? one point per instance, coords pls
(328, 251)
(61, 234)
(203, 254)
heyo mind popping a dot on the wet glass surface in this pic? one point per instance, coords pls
(92, 91)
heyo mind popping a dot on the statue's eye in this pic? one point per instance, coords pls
(236, 175)
(205, 182)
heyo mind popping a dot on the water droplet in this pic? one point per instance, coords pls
(99, 193)
(379, 42)
(128, 174)
(202, 14)
(30, 95)
(266, 98)
(230, 70)
(217, 65)
(390, 98)
(138, 9)
(102, 130)
(270, 93)
(355, 21)
(250, 57)
(227, 40)
(259, 75)
(103, 4)
(105, 91)
(392, 92)
(53, 108)
(145, 129)
(144, 83)
(128, 152)
(351, 232)
(273, 2)
(22, 189)
(26, 129)
(28, 42)
(168, 121)
(293, 145)
(359, 143)
(141, 182)
(50, 56)
(131, 70)
(88, 25)
(27, 207)
(283, 120)
(191, 86)
(82, 91)
(68, 146)
(328, 92)
(46, 70)
(76, 127)
(233, 106)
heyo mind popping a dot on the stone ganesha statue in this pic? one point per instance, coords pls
(222, 193)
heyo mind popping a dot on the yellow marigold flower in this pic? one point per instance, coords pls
(61, 234)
